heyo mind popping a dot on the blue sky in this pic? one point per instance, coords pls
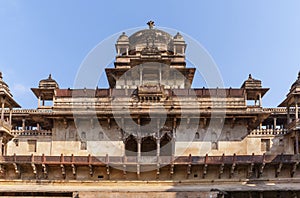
(249, 36)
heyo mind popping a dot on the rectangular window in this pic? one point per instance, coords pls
(83, 145)
(265, 145)
(31, 145)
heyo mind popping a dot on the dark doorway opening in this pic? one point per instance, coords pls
(131, 146)
(148, 146)
(166, 145)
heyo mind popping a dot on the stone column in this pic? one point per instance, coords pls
(260, 126)
(158, 147)
(141, 75)
(39, 101)
(10, 116)
(23, 123)
(274, 124)
(297, 142)
(259, 96)
(1, 142)
(139, 140)
(2, 108)
(288, 114)
(296, 109)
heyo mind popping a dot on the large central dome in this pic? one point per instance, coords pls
(150, 37)
(150, 42)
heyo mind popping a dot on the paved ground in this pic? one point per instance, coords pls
(142, 186)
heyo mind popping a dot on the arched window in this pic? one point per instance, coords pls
(214, 146)
(197, 136)
(101, 136)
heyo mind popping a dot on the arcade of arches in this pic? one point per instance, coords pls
(149, 146)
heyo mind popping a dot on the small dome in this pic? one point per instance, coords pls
(48, 83)
(3, 85)
(297, 82)
(123, 37)
(178, 36)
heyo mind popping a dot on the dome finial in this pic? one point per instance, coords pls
(50, 76)
(250, 76)
(151, 24)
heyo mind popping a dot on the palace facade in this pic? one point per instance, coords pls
(150, 134)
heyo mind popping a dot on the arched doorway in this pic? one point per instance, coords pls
(131, 146)
(148, 146)
(166, 145)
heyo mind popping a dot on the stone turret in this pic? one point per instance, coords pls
(254, 90)
(7, 102)
(46, 91)
(291, 102)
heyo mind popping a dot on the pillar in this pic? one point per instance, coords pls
(260, 126)
(259, 96)
(2, 108)
(23, 123)
(1, 142)
(139, 147)
(39, 101)
(158, 147)
(296, 109)
(288, 114)
(274, 123)
(10, 116)
(141, 75)
(261, 195)
(297, 142)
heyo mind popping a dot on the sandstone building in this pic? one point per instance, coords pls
(150, 134)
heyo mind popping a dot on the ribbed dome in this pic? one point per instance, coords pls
(3, 85)
(150, 37)
(297, 82)
(123, 37)
(178, 36)
(48, 83)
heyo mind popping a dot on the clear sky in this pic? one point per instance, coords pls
(246, 36)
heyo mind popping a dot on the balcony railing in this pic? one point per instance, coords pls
(31, 132)
(268, 132)
(295, 124)
(5, 126)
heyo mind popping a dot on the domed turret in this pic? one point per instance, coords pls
(296, 84)
(178, 44)
(3, 86)
(46, 91)
(122, 45)
(48, 83)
